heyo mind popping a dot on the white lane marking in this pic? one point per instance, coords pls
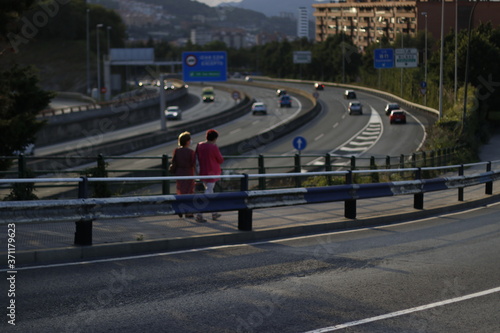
(277, 241)
(319, 137)
(235, 131)
(406, 311)
(335, 125)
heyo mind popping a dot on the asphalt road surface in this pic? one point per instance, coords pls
(435, 275)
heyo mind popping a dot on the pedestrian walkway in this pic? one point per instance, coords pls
(53, 242)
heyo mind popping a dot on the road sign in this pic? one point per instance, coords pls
(299, 143)
(406, 58)
(204, 66)
(302, 57)
(423, 84)
(236, 95)
(383, 58)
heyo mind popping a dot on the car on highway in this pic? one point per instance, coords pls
(319, 86)
(280, 92)
(391, 106)
(285, 101)
(349, 94)
(259, 108)
(397, 116)
(208, 94)
(355, 107)
(173, 113)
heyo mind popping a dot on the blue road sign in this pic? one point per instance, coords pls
(299, 143)
(383, 58)
(204, 66)
(423, 84)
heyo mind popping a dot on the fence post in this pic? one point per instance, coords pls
(461, 189)
(349, 204)
(244, 215)
(328, 167)
(373, 166)
(21, 166)
(402, 161)
(387, 162)
(414, 160)
(489, 185)
(83, 227)
(298, 180)
(418, 198)
(165, 185)
(424, 158)
(262, 170)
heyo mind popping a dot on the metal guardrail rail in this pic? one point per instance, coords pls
(85, 210)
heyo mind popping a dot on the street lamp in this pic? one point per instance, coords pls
(88, 51)
(100, 25)
(425, 56)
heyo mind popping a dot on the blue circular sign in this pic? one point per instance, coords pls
(423, 84)
(299, 143)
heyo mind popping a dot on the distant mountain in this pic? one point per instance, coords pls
(274, 7)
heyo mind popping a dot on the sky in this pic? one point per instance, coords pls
(216, 2)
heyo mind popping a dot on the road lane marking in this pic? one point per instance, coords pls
(406, 311)
(319, 137)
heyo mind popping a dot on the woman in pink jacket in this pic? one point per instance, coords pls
(210, 160)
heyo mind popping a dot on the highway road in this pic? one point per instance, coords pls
(440, 274)
(333, 131)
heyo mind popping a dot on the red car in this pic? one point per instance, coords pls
(397, 116)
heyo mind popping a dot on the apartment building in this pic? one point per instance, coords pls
(368, 21)
(303, 23)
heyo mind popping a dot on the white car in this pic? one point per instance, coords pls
(259, 108)
(173, 113)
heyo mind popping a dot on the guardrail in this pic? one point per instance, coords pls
(85, 210)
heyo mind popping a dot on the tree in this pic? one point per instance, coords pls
(20, 97)
(20, 101)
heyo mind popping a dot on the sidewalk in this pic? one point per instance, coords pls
(53, 242)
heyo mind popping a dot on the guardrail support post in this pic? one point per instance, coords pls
(418, 198)
(489, 185)
(387, 162)
(349, 204)
(83, 227)
(461, 189)
(402, 161)
(245, 215)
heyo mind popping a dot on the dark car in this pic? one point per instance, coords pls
(350, 94)
(391, 106)
(397, 116)
(355, 107)
(280, 92)
(285, 101)
(319, 86)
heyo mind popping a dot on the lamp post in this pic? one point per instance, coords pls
(441, 60)
(425, 56)
(98, 60)
(88, 51)
(109, 43)
(467, 65)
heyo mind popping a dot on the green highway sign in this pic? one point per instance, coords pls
(406, 58)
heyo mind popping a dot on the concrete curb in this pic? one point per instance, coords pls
(102, 251)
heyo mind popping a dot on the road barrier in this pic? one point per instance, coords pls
(86, 210)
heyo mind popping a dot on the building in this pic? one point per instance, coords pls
(303, 23)
(367, 21)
